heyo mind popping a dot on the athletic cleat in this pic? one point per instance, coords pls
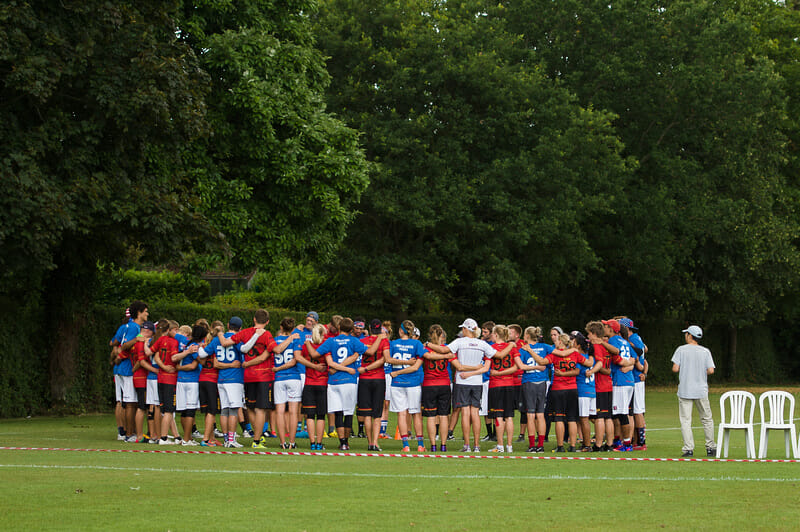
(420, 448)
(131, 439)
(190, 443)
(571, 449)
(687, 454)
(292, 446)
(361, 434)
(450, 436)
(644, 448)
(623, 448)
(197, 434)
(271, 434)
(498, 449)
(248, 433)
(332, 434)
(383, 436)
(218, 433)
(605, 448)
(258, 445)
(433, 448)
(531, 450)
(301, 434)
(406, 449)
(559, 449)
(233, 445)
(345, 447)
(509, 449)
(284, 446)
(443, 448)
(709, 452)
(465, 449)
(488, 437)
(121, 437)
(585, 449)
(476, 449)
(520, 439)
(166, 442)
(596, 449)
(204, 443)
(144, 439)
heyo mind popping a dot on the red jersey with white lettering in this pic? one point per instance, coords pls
(314, 377)
(164, 348)
(567, 363)
(437, 372)
(502, 364)
(261, 372)
(602, 383)
(366, 359)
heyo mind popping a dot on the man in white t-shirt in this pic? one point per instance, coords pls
(473, 358)
(693, 364)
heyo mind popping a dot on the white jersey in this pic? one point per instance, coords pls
(471, 352)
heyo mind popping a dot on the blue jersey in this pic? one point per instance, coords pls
(619, 378)
(340, 348)
(585, 384)
(304, 333)
(407, 349)
(284, 358)
(227, 355)
(189, 376)
(486, 376)
(126, 333)
(535, 375)
(152, 375)
(182, 342)
(637, 342)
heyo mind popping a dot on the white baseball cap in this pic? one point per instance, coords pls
(470, 324)
(695, 331)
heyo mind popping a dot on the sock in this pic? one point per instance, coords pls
(640, 432)
(627, 442)
(164, 438)
(248, 426)
(121, 431)
(342, 441)
(215, 426)
(531, 441)
(437, 432)
(384, 425)
(194, 428)
(360, 427)
(405, 440)
(420, 441)
(231, 436)
(540, 443)
(489, 428)
(331, 429)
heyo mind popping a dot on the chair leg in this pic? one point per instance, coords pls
(751, 444)
(763, 442)
(719, 442)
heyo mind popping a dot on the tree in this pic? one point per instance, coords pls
(487, 175)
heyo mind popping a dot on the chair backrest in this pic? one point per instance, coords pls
(777, 400)
(738, 400)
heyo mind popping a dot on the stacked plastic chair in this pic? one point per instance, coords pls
(737, 415)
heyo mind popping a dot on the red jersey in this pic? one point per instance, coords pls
(602, 383)
(208, 373)
(260, 372)
(518, 374)
(314, 377)
(502, 364)
(140, 375)
(164, 348)
(437, 372)
(366, 359)
(567, 363)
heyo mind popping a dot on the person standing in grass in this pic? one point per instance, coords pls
(315, 391)
(502, 393)
(436, 391)
(141, 369)
(406, 356)
(372, 383)
(534, 386)
(230, 381)
(693, 363)
(288, 388)
(187, 391)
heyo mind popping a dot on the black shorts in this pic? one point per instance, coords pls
(520, 400)
(141, 398)
(502, 400)
(603, 402)
(166, 396)
(467, 395)
(436, 400)
(259, 395)
(534, 395)
(564, 405)
(315, 401)
(371, 393)
(209, 398)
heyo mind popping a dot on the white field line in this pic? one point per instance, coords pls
(481, 476)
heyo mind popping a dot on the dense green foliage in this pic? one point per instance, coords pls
(117, 287)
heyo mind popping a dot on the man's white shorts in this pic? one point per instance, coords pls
(484, 410)
(620, 399)
(638, 398)
(187, 396)
(288, 391)
(406, 399)
(152, 392)
(388, 395)
(587, 406)
(342, 398)
(124, 390)
(231, 394)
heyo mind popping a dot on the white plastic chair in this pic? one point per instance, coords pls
(742, 407)
(778, 420)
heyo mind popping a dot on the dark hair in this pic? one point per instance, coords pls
(287, 324)
(136, 308)
(261, 316)
(346, 326)
(199, 333)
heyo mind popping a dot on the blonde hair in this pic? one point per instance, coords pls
(436, 334)
(565, 340)
(318, 333)
(185, 330)
(532, 334)
(407, 328)
(388, 326)
(501, 331)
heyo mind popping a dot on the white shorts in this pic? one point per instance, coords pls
(302, 380)
(231, 394)
(638, 398)
(621, 398)
(152, 392)
(342, 398)
(124, 390)
(288, 391)
(388, 395)
(406, 399)
(187, 396)
(484, 410)
(587, 406)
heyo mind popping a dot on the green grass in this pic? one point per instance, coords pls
(46, 489)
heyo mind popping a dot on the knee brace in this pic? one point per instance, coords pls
(338, 419)
(622, 418)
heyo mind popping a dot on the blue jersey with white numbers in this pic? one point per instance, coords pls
(535, 375)
(284, 358)
(227, 355)
(126, 333)
(304, 333)
(189, 376)
(585, 384)
(618, 378)
(340, 348)
(407, 349)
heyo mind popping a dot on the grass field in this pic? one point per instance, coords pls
(96, 488)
